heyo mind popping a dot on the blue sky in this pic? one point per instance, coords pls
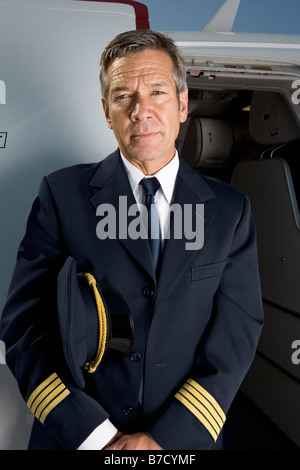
(254, 16)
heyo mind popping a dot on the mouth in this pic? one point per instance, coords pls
(144, 135)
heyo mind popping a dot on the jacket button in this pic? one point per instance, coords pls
(148, 292)
(135, 357)
(127, 410)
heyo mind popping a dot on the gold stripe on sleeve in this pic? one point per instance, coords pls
(209, 398)
(46, 396)
(203, 410)
(198, 415)
(203, 405)
(40, 389)
(53, 404)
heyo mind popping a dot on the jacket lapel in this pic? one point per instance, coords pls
(111, 186)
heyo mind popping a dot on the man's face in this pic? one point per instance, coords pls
(143, 108)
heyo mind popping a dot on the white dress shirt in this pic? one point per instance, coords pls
(166, 177)
(163, 197)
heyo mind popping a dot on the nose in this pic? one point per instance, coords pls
(141, 109)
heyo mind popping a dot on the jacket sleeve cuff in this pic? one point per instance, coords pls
(68, 413)
(193, 420)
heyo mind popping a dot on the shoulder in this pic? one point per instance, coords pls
(223, 189)
(69, 175)
(208, 187)
(80, 175)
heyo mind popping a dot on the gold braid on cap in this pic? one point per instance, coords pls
(92, 366)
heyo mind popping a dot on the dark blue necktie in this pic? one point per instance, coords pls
(150, 186)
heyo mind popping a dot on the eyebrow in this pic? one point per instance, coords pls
(117, 89)
(120, 88)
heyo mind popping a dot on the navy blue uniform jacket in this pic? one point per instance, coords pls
(196, 329)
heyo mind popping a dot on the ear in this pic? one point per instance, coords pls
(105, 109)
(183, 99)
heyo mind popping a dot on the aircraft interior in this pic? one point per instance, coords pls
(244, 129)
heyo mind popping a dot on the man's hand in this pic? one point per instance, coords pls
(114, 439)
(137, 441)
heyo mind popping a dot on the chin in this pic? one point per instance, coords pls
(145, 154)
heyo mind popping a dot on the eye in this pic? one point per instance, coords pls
(122, 97)
(158, 92)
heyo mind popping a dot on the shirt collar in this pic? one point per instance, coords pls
(166, 176)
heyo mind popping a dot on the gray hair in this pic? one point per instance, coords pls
(138, 41)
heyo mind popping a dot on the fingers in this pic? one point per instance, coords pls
(116, 437)
(137, 441)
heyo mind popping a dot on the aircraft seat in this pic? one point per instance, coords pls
(207, 142)
(269, 185)
(273, 380)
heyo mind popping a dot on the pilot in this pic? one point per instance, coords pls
(192, 286)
